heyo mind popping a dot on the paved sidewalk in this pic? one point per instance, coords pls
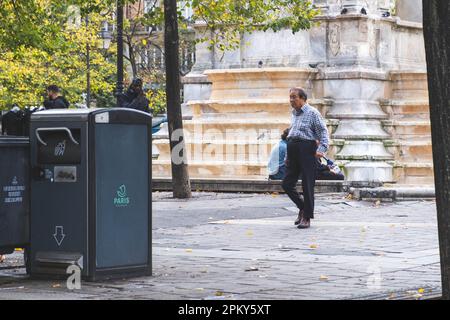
(245, 246)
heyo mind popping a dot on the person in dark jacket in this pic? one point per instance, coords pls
(12, 122)
(134, 97)
(328, 170)
(55, 99)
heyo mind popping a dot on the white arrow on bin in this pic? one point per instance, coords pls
(59, 235)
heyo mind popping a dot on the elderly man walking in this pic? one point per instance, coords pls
(307, 128)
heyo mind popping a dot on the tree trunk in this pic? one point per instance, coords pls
(132, 55)
(180, 176)
(119, 85)
(436, 24)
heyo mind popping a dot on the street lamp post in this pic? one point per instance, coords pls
(119, 87)
(88, 69)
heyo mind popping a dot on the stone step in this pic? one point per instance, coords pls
(416, 181)
(239, 127)
(255, 108)
(407, 110)
(227, 150)
(409, 85)
(414, 172)
(221, 150)
(216, 169)
(408, 129)
(415, 151)
(258, 83)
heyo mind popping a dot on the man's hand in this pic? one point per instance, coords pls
(319, 154)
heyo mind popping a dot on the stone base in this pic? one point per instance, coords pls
(368, 171)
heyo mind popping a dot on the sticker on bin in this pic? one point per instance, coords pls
(13, 192)
(65, 174)
(102, 117)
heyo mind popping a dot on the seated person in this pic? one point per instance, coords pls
(276, 166)
(328, 170)
(134, 97)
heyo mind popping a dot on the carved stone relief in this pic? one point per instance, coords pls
(334, 38)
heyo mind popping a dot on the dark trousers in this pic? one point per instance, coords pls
(301, 163)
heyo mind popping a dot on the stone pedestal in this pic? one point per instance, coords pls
(356, 106)
(364, 72)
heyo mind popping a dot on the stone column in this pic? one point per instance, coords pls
(204, 58)
(196, 85)
(356, 96)
(322, 5)
(410, 10)
(384, 6)
(355, 6)
(356, 84)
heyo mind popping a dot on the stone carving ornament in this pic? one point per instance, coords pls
(334, 38)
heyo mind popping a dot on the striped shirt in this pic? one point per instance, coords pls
(308, 124)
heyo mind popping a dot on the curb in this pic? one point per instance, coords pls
(393, 194)
(259, 186)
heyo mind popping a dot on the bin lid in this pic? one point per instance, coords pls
(86, 114)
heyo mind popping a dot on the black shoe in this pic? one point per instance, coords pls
(305, 223)
(299, 218)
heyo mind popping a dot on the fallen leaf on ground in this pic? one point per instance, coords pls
(313, 246)
(377, 203)
(249, 233)
(323, 278)
(252, 269)
(219, 293)
(189, 250)
(421, 290)
(57, 285)
(2, 258)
